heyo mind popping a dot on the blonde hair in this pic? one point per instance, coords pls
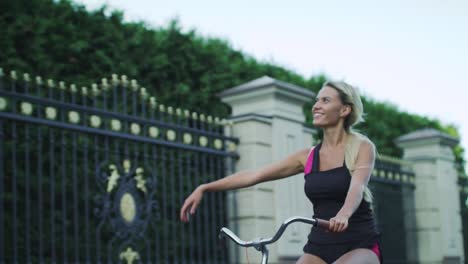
(350, 96)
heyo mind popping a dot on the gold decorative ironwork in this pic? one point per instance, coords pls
(135, 128)
(140, 180)
(113, 178)
(203, 141)
(232, 146)
(218, 143)
(127, 207)
(153, 132)
(95, 121)
(26, 108)
(405, 178)
(73, 117)
(171, 135)
(129, 255)
(51, 113)
(187, 138)
(390, 175)
(116, 125)
(3, 103)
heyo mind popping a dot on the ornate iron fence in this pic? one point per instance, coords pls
(392, 184)
(98, 175)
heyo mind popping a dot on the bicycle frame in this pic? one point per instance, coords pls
(260, 243)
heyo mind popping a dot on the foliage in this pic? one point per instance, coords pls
(64, 41)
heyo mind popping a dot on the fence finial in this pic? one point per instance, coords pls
(26, 77)
(95, 90)
(38, 80)
(62, 85)
(170, 110)
(104, 84)
(152, 102)
(134, 85)
(13, 75)
(124, 80)
(50, 83)
(1, 72)
(84, 90)
(143, 93)
(73, 88)
(115, 79)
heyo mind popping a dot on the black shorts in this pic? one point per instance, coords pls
(331, 252)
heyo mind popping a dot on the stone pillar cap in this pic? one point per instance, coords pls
(267, 82)
(428, 134)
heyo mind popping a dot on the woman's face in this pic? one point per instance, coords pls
(328, 109)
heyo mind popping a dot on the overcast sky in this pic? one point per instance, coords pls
(413, 54)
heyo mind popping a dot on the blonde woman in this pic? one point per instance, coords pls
(337, 172)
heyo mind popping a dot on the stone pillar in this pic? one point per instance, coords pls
(437, 202)
(268, 119)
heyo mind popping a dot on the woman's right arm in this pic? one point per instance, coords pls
(291, 165)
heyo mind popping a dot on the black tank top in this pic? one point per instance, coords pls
(327, 191)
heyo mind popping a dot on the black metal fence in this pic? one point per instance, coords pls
(98, 175)
(392, 184)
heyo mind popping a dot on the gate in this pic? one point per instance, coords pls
(99, 175)
(392, 184)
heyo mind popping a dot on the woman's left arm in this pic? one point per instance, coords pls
(359, 180)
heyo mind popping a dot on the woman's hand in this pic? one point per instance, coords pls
(191, 204)
(339, 223)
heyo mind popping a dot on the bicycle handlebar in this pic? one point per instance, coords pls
(262, 242)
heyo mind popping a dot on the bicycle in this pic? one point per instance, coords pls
(260, 243)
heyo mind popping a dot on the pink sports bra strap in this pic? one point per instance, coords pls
(310, 162)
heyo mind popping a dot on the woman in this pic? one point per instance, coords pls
(337, 172)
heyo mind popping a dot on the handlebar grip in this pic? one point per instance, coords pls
(323, 224)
